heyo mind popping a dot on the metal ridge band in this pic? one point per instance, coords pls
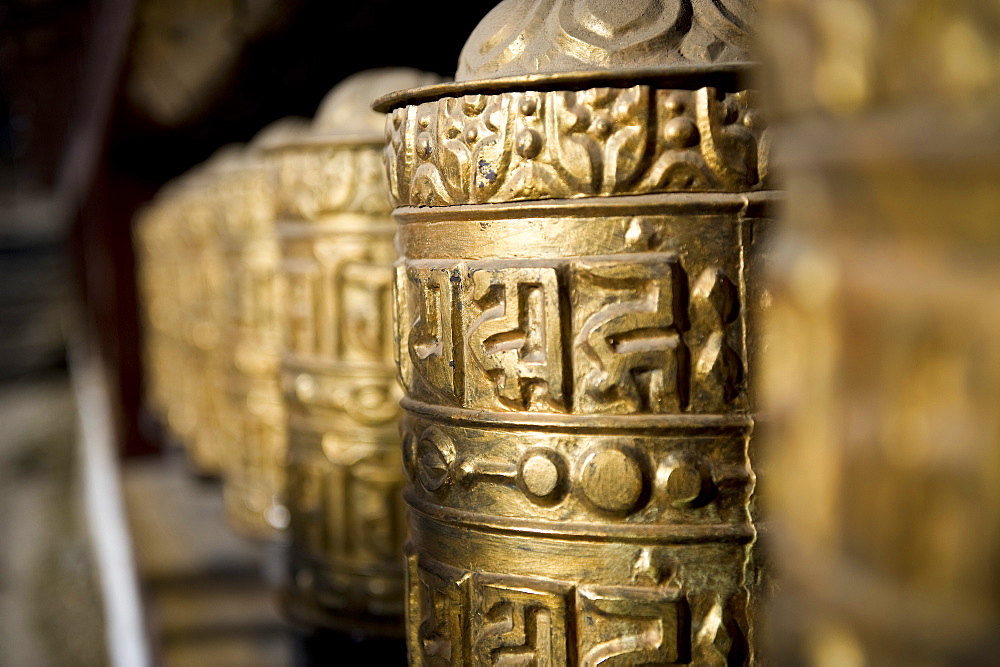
(739, 533)
(749, 204)
(705, 424)
(729, 77)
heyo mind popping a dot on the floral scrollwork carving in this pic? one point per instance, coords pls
(561, 144)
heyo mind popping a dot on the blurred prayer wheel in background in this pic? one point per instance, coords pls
(254, 419)
(579, 221)
(201, 284)
(339, 382)
(882, 366)
(181, 279)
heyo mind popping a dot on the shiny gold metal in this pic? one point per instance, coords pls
(882, 365)
(579, 218)
(201, 285)
(344, 469)
(181, 277)
(254, 422)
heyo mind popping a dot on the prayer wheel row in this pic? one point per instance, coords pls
(488, 363)
(267, 278)
(568, 305)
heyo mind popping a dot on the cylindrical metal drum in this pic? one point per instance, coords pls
(344, 469)
(180, 281)
(579, 221)
(882, 370)
(202, 283)
(254, 420)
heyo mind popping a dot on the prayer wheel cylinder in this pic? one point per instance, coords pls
(255, 439)
(181, 281)
(338, 379)
(882, 368)
(580, 217)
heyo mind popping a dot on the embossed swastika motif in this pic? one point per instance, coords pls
(518, 621)
(628, 354)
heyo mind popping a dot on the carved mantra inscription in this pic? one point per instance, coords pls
(346, 506)
(620, 334)
(489, 619)
(354, 293)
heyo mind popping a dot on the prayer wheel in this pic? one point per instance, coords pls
(254, 418)
(882, 366)
(580, 217)
(337, 376)
(181, 280)
(203, 284)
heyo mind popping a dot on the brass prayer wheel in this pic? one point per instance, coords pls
(882, 368)
(579, 223)
(201, 284)
(180, 281)
(254, 418)
(338, 378)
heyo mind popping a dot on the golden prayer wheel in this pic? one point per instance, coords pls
(882, 366)
(180, 271)
(254, 417)
(201, 286)
(579, 223)
(344, 469)
(162, 248)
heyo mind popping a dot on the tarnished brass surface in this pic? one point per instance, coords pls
(344, 468)
(573, 331)
(882, 369)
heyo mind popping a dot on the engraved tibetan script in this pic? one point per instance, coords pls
(612, 334)
(627, 320)
(514, 339)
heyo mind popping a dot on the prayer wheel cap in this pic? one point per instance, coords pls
(346, 111)
(279, 133)
(530, 37)
(224, 160)
(572, 44)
